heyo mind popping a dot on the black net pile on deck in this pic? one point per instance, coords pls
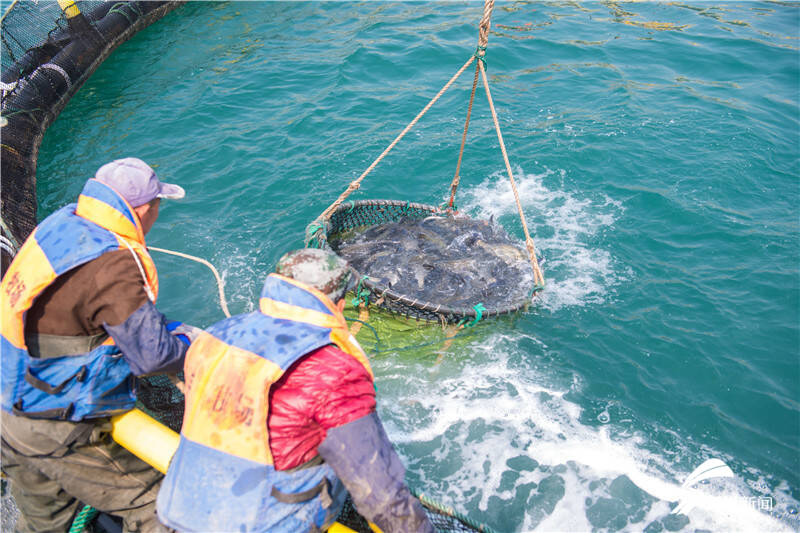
(443, 519)
(427, 264)
(47, 54)
(158, 397)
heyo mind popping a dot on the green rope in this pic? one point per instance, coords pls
(312, 235)
(135, 7)
(481, 58)
(352, 206)
(449, 511)
(116, 9)
(536, 288)
(83, 518)
(313, 228)
(374, 331)
(362, 294)
(479, 309)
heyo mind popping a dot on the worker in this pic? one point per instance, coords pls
(78, 323)
(280, 418)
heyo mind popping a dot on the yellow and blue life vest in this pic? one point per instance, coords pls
(69, 387)
(222, 477)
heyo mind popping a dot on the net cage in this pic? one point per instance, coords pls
(47, 54)
(356, 217)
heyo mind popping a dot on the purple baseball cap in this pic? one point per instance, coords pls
(136, 181)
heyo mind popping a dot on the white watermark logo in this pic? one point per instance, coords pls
(714, 468)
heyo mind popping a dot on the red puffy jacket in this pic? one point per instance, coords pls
(325, 389)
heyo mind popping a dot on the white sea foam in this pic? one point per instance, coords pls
(487, 412)
(564, 226)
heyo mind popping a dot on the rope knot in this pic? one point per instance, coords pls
(480, 55)
(361, 293)
(448, 207)
(315, 234)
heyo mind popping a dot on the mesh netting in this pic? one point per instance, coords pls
(355, 217)
(46, 57)
(443, 519)
(33, 32)
(158, 397)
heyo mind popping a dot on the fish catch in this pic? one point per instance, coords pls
(450, 260)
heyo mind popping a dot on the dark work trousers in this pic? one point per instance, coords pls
(55, 466)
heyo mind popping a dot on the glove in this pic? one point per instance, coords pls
(186, 333)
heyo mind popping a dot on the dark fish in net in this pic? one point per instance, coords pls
(453, 261)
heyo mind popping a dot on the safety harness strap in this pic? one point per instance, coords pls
(315, 461)
(32, 380)
(50, 414)
(299, 497)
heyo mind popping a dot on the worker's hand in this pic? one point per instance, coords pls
(184, 332)
(366, 463)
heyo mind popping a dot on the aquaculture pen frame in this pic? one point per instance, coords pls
(40, 73)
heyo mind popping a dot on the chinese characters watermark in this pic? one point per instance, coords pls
(759, 503)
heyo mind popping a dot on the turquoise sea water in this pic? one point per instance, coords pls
(656, 152)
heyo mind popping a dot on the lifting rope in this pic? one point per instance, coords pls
(220, 285)
(317, 228)
(537, 272)
(357, 183)
(480, 54)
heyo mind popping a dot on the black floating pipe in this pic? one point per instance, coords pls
(46, 77)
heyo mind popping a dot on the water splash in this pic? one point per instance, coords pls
(509, 441)
(566, 227)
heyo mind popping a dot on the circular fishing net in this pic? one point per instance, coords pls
(424, 263)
